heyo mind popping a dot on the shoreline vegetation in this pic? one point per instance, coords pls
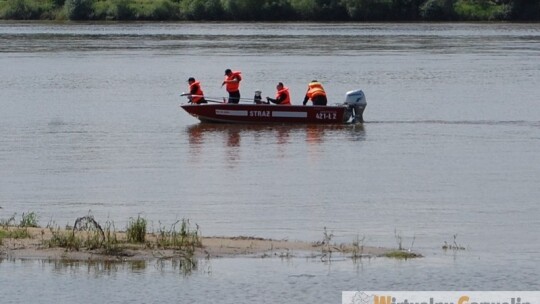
(271, 10)
(88, 240)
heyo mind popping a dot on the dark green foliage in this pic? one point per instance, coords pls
(280, 10)
(437, 10)
(136, 230)
(136, 10)
(21, 10)
(244, 9)
(194, 9)
(306, 9)
(17, 233)
(406, 9)
(202, 9)
(369, 10)
(185, 238)
(121, 10)
(162, 10)
(274, 10)
(29, 219)
(402, 255)
(331, 10)
(58, 3)
(78, 9)
(524, 10)
(476, 10)
(320, 10)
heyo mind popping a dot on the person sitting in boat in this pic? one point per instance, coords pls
(282, 96)
(197, 95)
(316, 94)
(232, 85)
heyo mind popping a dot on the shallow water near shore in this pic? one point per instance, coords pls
(245, 280)
(90, 121)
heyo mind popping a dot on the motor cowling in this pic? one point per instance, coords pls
(356, 104)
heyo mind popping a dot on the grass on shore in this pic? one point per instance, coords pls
(88, 234)
(92, 236)
(356, 249)
(8, 229)
(402, 255)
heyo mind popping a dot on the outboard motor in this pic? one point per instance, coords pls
(356, 104)
(257, 98)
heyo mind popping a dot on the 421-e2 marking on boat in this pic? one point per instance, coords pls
(326, 115)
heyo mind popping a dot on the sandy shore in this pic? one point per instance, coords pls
(212, 247)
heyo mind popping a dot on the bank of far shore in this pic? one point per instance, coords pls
(38, 246)
(270, 10)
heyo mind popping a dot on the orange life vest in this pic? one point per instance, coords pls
(287, 100)
(234, 85)
(199, 92)
(315, 89)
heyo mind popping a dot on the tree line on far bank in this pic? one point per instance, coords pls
(272, 10)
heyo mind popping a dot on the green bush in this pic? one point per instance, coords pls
(64, 239)
(121, 10)
(21, 10)
(368, 10)
(185, 238)
(525, 10)
(17, 233)
(202, 9)
(155, 10)
(407, 9)
(3, 234)
(438, 10)
(58, 3)
(193, 9)
(79, 9)
(101, 10)
(279, 10)
(260, 10)
(333, 10)
(163, 10)
(477, 10)
(136, 230)
(29, 220)
(306, 9)
(243, 9)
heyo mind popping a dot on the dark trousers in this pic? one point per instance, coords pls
(234, 97)
(319, 100)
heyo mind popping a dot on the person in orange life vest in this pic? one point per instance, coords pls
(282, 96)
(232, 85)
(316, 94)
(197, 95)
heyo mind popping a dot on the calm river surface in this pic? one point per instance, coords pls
(89, 122)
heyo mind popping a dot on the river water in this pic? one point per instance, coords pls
(90, 122)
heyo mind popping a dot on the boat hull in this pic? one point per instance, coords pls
(265, 113)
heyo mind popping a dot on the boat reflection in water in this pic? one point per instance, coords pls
(277, 137)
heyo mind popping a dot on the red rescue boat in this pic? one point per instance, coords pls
(351, 111)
